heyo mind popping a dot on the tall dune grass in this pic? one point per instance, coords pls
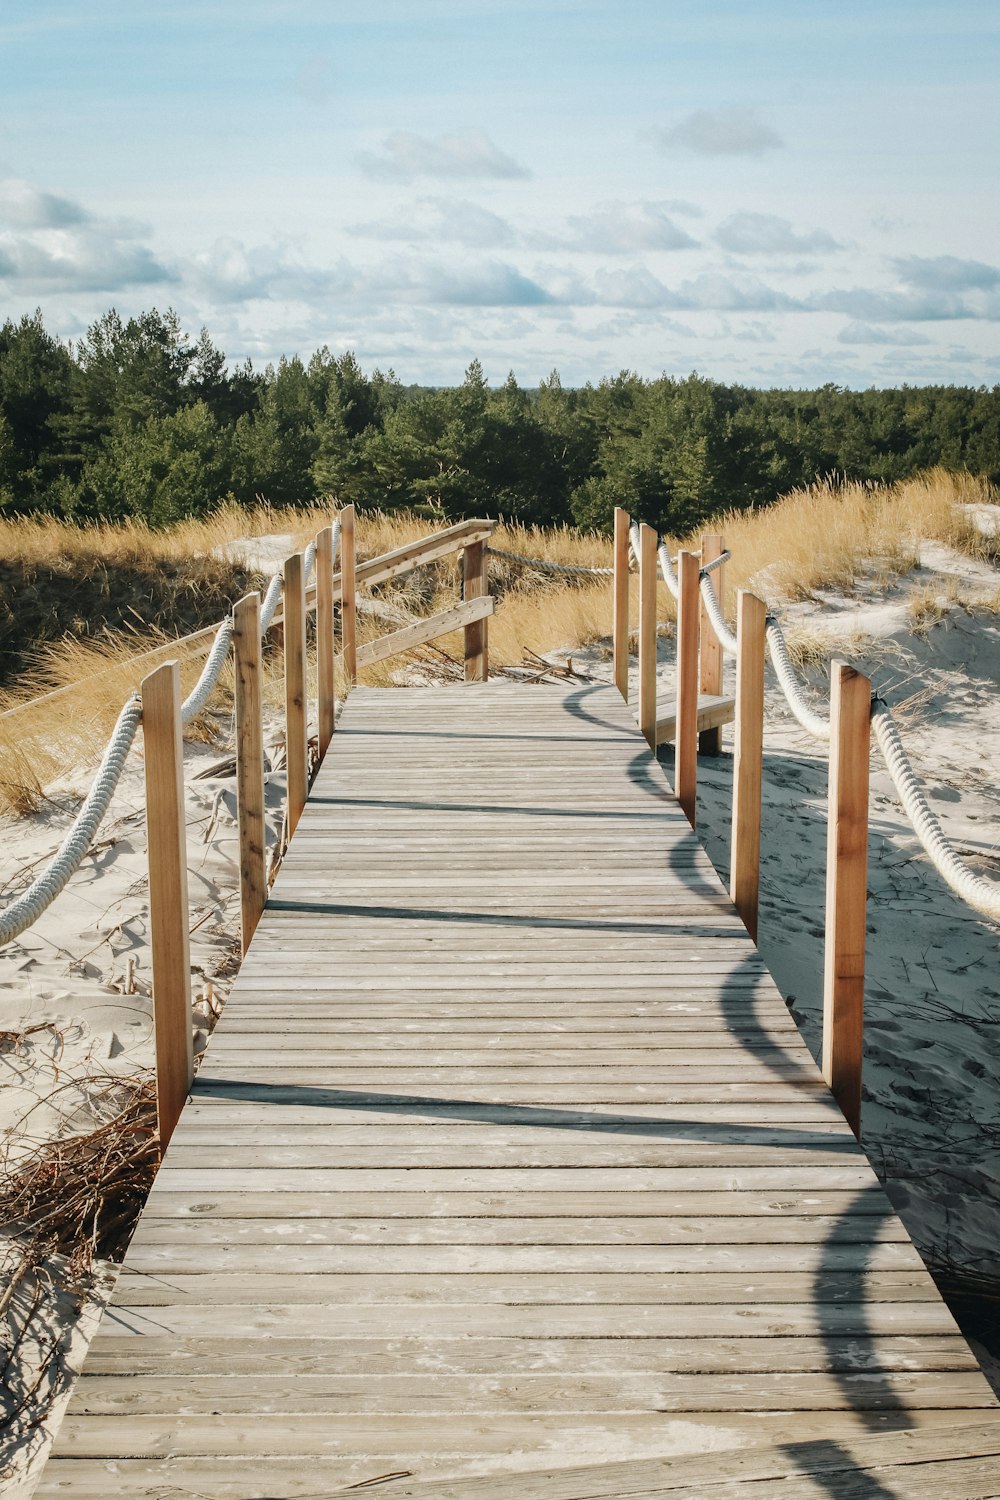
(827, 536)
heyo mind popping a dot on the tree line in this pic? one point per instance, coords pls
(136, 418)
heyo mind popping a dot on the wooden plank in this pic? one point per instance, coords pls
(686, 751)
(169, 912)
(429, 629)
(476, 585)
(444, 1394)
(712, 713)
(159, 1355)
(647, 633)
(296, 738)
(348, 593)
(622, 586)
(751, 621)
(249, 764)
(846, 888)
(547, 1164)
(325, 644)
(710, 663)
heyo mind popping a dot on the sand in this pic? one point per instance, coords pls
(932, 1063)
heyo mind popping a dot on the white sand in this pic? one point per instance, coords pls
(932, 1081)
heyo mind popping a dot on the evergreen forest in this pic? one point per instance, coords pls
(138, 419)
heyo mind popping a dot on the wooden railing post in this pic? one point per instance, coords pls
(710, 740)
(348, 593)
(647, 633)
(250, 764)
(686, 742)
(325, 649)
(846, 888)
(621, 580)
(744, 872)
(169, 917)
(475, 584)
(296, 747)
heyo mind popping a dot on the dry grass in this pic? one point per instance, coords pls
(828, 536)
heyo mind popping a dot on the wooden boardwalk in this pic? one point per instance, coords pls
(507, 1174)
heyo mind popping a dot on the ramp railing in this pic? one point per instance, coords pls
(308, 583)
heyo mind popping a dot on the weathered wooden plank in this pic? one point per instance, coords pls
(506, 1125)
(235, 1242)
(294, 1206)
(158, 1288)
(346, 1394)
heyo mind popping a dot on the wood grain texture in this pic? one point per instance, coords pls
(622, 585)
(846, 888)
(249, 764)
(647, 633)
(688, 618)
(710, 653)
(296, 737)
(325, 645)
(169, 911)
(507, 1153)
(751, 619)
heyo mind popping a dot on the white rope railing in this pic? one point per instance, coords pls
(25, 910)
(982, 894)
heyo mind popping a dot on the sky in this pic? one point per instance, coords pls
(769, 192)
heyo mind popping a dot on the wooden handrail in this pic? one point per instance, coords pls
(376, 570)
(847, 826)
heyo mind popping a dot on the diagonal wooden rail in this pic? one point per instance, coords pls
(506, 1158)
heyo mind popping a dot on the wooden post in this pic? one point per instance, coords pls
(710, 740)
(169, 916)
(647, 633)
(249, 764)
(686, 742)
(325, 653)
(744, 872)
(348, 593)
(475, 584)
(846, 888)
(620, 629)
(296, 748)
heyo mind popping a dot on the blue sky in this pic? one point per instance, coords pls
(776, 192)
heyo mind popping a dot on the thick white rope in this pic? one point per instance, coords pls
(814, 723)
(272, 599)
(716, 618)
(25, 909)
(982, 894)
(210, 673)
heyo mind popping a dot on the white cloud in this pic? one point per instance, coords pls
(442, 220)
(867, 305)
(472, 154)
(946, 273)
(766, 234)
(709, 292)
(719, 132)
(78, 260)
(869, 333)
(625, 228)
(483, 284)
(23, 206)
